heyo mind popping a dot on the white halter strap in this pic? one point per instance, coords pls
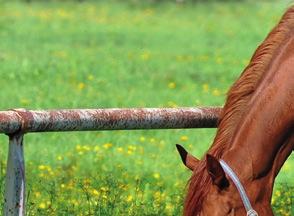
(250, 211)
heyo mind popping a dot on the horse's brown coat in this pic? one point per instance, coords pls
(256, 131)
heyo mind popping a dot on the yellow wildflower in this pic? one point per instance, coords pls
(90, 77)
(87, 181)
(86, 148)
(278, 193)
(62, 13)
(24, 101)
(156, 175)
(42, 167)
(104, 189)
(129, 198)
(81, 86)
(37, 194)
(42, 205)
(145, 55)
(148, 11)
(219, 60)
(131, 148)
(75, 202)
(157, 195)
(95, 192)
(184, 138)
(152, 140)
(216, 92)
(205, 87)
(142, 139)
(120, 149)
(96, 148)
(172, 85)
(286, 167)
(169, 207)
(179, 58)
(245, 61)
(107, 145)
(172, 104)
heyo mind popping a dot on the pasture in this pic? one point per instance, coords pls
(113, 54)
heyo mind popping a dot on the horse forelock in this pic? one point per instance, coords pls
(235, 107)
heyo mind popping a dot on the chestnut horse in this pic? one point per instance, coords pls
(255, 134)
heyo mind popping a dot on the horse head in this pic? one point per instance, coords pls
(215, 189)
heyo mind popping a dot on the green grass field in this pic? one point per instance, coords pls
(114, 54)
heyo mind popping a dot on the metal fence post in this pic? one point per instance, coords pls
(14, 199)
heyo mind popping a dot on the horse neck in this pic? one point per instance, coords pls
(265, 135)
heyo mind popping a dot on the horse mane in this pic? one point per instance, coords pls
(235, 107)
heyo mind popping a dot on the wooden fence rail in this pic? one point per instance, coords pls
(15, 123)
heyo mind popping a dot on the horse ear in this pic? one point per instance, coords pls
(216, 172)
(189, 160)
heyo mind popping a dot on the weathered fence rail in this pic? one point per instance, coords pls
(15, 123)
